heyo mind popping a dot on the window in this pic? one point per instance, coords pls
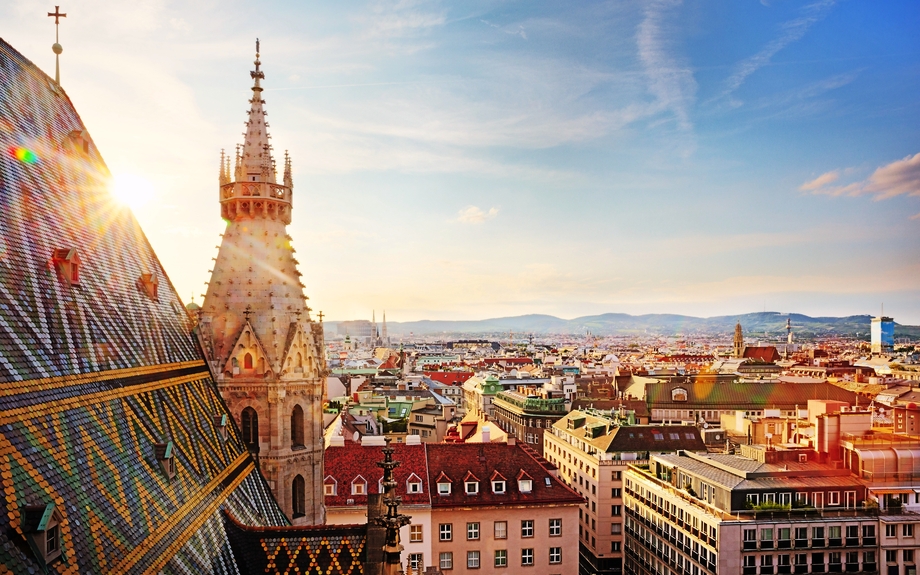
(166, 457)
(472, 559)
(891, 555)
(868, 557)
(801, 498)
(443, 488)
(616, 510)
(616, 475)
(616, 528)
(526, 556)
(891, 530)
(498, 487)
(472, 487)
(527, 528)
(472, 531)
(614, 546)
(833, 532)
(415, 560)
(555, 554)
(51, 541)
(414, 485)
(908, 555)
(416, 533)
(500, 529)
(801, 559)
(833, 498)
(555, 527)
(359, 486)
(525, 485)
(298, 497)
(220, 422)
(249, 421)
(750, 561)
(297, 427)
(834, 557)
(616, 493)
(446, 560)
(907, 530)
(445, 532)
(817, 532)
(852, 531)
(501, 557)
(329, 488)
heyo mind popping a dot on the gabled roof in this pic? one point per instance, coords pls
(484, 460)
(352, 461)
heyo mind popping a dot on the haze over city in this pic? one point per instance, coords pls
(461, 161)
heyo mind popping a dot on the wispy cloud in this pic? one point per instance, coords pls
(821, 181)
(670, 80)
(475, 215)
(790, 31)
(899, 178)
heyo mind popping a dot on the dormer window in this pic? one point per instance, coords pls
(148, 284)
(220, 422)
(41, 523)
(166, 458)
(414, 484)
(67, 264)
(525, 485)
(498, 486)
(471, 487)
(359, 486)
(330, 486)
(443, 488)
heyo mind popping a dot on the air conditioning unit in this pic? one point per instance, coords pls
(803, 458)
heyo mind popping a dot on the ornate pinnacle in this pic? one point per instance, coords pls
(288, 181)
(393, 520)
(224, 171)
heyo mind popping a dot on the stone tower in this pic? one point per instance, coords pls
(255, 326)
(738, 342)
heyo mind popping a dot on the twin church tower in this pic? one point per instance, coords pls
(264, 349)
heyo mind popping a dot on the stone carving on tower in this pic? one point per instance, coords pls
(255, 326)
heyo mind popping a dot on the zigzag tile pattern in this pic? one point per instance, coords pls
(94, 373)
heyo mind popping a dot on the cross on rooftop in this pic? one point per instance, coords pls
(56, 47)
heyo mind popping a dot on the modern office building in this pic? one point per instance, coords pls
(882, 334)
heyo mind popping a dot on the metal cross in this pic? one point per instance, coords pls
(320, 314)
(57, 14)
(56, 48)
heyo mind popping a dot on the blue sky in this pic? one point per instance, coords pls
(479, 159)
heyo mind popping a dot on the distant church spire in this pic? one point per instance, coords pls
(738, 342)
(56, 47)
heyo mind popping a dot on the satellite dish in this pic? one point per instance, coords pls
(881, 410)
(705, 425)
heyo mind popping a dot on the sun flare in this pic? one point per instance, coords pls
(131, 190)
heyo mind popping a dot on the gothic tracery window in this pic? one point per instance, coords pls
(249, 421)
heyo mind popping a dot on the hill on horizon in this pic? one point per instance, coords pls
(758, 324)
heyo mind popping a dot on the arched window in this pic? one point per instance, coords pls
(247, 361)
(249, 421)
(298, 497)
(297, 427)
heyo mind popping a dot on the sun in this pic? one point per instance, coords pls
(132, 190)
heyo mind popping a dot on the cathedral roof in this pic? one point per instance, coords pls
(109, 418)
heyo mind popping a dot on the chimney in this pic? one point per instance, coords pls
(486, 432)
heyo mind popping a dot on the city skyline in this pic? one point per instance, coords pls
(496, 160)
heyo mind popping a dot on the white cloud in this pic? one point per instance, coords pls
(475, 215)
(899, 178)
(670, 81)
(790, 32)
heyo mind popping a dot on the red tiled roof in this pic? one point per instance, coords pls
(482, 460)
(351, 461)
(449, 377)
(765, 353)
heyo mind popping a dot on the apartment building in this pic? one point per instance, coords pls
(763, 512)
(499, 508)
(527, 412)
(592, 451)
